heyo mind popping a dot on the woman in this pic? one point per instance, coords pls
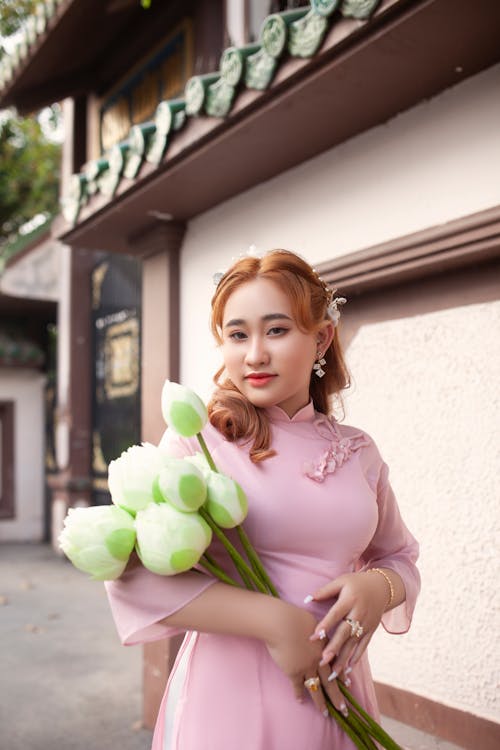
(322, 516)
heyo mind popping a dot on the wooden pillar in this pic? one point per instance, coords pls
(159, 250)
(71, 485)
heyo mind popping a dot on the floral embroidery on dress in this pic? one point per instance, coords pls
(340, 451)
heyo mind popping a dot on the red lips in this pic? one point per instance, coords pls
(259, 378)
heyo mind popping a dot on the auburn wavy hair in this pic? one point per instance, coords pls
(229, 410)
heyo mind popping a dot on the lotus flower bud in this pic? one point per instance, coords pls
(226, 501)
(182, 409)
(182, 484)
(98, 540)
(201, 463)
(168, 541)
(131, 476)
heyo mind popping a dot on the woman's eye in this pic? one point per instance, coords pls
(237, 336)
(277, 331)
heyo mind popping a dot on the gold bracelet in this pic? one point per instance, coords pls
(391, 586)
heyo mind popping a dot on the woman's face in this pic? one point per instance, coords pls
(267, 357)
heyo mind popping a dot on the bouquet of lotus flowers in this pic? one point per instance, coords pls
(169, 509)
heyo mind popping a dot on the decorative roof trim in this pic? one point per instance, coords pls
(297, 33)
(462, 242)
(36, 26)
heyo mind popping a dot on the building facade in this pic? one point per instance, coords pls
(363, 135)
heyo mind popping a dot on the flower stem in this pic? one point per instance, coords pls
(372, 726)
(255, 561)
(346, 726)
(206, 452)
(361, 729)
(243, 568)
(212, 568)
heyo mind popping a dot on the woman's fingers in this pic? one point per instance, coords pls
(360, 649)
(334, 616)
(332, 690)
(342, 635)
(328, 591)
(313, 686)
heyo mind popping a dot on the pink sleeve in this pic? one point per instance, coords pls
(140, 599)
(394, 547)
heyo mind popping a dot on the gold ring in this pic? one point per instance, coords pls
(312, 684)
(356, 627)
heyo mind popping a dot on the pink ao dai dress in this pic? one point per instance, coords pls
(323, 506)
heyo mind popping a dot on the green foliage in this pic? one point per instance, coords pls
(13, 13)
(29, 173)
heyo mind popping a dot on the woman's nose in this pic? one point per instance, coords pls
(257, 353)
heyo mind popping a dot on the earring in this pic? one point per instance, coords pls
(318, 366)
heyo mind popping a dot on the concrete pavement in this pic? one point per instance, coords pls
(66, 683)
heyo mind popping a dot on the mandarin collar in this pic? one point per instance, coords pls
(305, 414)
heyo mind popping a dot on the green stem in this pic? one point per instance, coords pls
(242, 567)
(360, 727)
(255, 561)
(206, 452)
(209, 565)
(373, 727)
(345, 725)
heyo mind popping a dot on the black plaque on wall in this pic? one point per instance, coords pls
(116, 407)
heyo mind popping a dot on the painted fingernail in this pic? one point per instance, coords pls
(308, 599)
(347, 681)
(322, 634)
(343, 710)
(333, 676)
(326, 713)
(348, 670)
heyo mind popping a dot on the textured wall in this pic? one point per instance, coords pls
(426, 388)
(425, 366)
(25, 388)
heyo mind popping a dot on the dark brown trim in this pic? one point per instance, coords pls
(7, 460)
(466, 241)
(159, 248)
(466, 730)
(358, 66)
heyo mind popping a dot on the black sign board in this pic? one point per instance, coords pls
(116, 319)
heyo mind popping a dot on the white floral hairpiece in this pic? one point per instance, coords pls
(251, 252)
(332, 309)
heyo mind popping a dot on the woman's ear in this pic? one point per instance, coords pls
(325, 335)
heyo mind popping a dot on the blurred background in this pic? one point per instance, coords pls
(143, 145)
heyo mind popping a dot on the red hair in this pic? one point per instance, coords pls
(229, 410)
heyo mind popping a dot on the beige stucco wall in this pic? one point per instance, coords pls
(426, 388)
(433, 370)
(26, 389)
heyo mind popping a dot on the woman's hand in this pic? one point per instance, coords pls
(361, 597)
(298, 657)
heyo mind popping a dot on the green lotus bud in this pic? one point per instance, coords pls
(201, 463)
(226, 501)
(182, 484)
(168, 541)
(98, 540)
(131, 477)
(182, 409)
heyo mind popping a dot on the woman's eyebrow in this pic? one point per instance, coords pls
(265, 318)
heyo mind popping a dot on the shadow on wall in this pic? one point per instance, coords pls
(470, 286)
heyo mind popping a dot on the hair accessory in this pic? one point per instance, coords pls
(318, 366)
(356, 627)
(251, 252)
(332, 309)
(391, 586)
(312, 684)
